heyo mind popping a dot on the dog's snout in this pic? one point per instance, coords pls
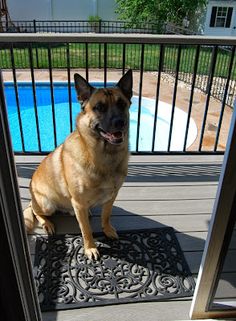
(118, 123)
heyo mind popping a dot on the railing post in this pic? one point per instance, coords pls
(99, 46)
(35, 27)
(99, 56)
(36, 48)
(162, 52)
(37, 56)
(211, 73)
(210, 82)
(100, 26)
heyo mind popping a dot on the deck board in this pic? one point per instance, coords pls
(154, 192)
(177, 191)
(149, 193)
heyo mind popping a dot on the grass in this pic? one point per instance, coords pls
(95, 58)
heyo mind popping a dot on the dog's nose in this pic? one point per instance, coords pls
(118, 123)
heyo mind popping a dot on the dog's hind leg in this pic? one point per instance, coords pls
(108, 229)
(41, 209)
(29, 218)
(47, 225)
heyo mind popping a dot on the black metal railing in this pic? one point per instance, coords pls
(115, 52)
(147, 121)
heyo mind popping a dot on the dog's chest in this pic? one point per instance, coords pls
(104, 195)
(105, 191)
(96, 186)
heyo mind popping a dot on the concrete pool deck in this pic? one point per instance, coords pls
(149, 90)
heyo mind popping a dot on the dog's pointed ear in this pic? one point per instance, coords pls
(126, 84)
(83, 89)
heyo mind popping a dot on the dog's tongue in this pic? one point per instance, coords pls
(116, 135)
(112, 137)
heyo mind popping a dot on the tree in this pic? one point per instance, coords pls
(159, 11)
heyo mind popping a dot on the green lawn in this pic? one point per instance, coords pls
(77, 56)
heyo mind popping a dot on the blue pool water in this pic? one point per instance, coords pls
(62, 119)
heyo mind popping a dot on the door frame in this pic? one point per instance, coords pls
(219, 235)
(18, 296)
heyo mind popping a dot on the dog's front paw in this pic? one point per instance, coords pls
(91, 253)
(110, 232)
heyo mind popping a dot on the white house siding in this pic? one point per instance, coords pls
(29, 9)
(233, 29)
(106, 9)
(218, 31)
(61, 9)
(72, 9)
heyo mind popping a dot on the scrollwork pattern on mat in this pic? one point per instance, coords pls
(141, 265)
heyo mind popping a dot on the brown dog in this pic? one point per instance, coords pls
(89, 168)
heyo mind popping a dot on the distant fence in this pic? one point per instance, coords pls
(85, 26)
(79, 26)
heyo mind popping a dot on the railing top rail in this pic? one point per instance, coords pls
(116, 38)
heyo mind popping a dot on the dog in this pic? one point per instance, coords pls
(89, 168)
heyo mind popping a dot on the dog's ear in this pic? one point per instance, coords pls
(126, 84)
(83, 88)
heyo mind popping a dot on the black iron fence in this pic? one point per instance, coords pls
(40, 120)
(81, 26)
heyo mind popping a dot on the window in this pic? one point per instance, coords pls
(221, 17)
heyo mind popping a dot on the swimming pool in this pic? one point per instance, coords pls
(62, 119)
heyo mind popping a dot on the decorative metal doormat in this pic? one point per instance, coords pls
(143, 265)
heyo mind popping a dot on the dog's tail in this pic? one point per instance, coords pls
(29, 218)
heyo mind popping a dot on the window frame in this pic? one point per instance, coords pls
(216, 14)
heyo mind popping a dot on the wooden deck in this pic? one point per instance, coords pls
(177, 191)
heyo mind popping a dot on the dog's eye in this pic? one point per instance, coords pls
(121, 103)
(100, 107)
